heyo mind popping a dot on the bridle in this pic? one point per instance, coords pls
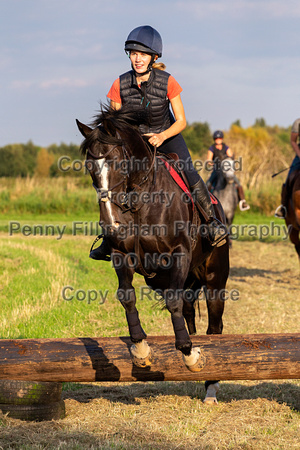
(105, 194)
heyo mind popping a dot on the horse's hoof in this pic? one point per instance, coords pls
(142, 362)
(138, 358)
(211, 394)
(195, 361)
(210, 401)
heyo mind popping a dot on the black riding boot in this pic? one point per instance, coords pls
(217, 231)
(102, 252)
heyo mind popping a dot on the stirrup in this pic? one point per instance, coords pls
(280, 212)
(98, 253)
(242, 207)
(215, 240)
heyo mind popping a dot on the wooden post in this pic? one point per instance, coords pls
(228, 357)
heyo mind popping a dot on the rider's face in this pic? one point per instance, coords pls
(218, 141)
(140, 61)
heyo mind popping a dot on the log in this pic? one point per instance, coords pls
(227, 357)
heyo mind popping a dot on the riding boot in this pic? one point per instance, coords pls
(102, 252)
(242, 201)
(281, 209)
(209, 186)
(217, 231)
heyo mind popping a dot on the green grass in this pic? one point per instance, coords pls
(34, 273)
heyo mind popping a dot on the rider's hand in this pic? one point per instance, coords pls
(155, 139)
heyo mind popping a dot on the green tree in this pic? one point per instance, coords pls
(198, 137)
(260, 122)
(44, 162)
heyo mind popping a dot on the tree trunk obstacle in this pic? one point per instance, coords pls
(227, 357)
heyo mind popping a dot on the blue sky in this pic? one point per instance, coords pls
(235, 59)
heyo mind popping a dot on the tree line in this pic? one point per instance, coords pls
(28, 160)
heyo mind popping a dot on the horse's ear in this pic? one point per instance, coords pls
(84, 129)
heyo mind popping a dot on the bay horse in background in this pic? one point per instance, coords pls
(225, 190)
(292, 218)
(196, 265)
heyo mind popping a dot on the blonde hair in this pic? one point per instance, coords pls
(159, 66)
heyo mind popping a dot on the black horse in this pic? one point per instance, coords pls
(292, 218)
(154, 229)
(226, 191)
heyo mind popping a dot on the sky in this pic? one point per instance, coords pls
(234, 59)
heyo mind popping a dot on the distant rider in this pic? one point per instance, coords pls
(215, 155)
(295, 137)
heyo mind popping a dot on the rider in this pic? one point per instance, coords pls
(215, 155)
(295, 134)
(148, 86)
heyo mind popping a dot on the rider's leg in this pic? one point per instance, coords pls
(282, 209)
(211, 182)
(242, 201)
(216, 230)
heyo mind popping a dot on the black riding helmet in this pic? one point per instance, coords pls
(218, 134)
(147, 40)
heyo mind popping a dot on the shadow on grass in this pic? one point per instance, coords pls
(246, 272)
(130, 393)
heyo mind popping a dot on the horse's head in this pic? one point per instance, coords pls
(117, 156)
(227, 167)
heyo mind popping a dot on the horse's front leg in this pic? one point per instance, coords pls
(140, 350)
(174, 298)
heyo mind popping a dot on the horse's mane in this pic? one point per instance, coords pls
(110, 123)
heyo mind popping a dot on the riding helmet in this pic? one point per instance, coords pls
(218, 134)
(144, 39)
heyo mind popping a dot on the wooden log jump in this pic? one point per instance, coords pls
(227, 357)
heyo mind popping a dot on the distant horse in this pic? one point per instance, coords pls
(226, 191)
(162, 241)
(292, 218)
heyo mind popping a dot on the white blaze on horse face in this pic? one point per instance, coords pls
(103, 171)
(228, 168)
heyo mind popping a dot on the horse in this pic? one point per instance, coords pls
(226, 191)
(164, 241)
(292, 218)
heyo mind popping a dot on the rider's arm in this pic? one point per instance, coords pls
(294, 137)
(176, 128)
(229, 153)
(115, 105)
(210, 156)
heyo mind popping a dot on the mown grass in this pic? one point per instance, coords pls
(149, 415)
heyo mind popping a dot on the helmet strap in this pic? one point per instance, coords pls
(149, 68)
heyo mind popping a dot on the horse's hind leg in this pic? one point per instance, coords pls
(140, 350)
(294, 237)
(216, 277)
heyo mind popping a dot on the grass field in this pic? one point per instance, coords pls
(35, 270)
